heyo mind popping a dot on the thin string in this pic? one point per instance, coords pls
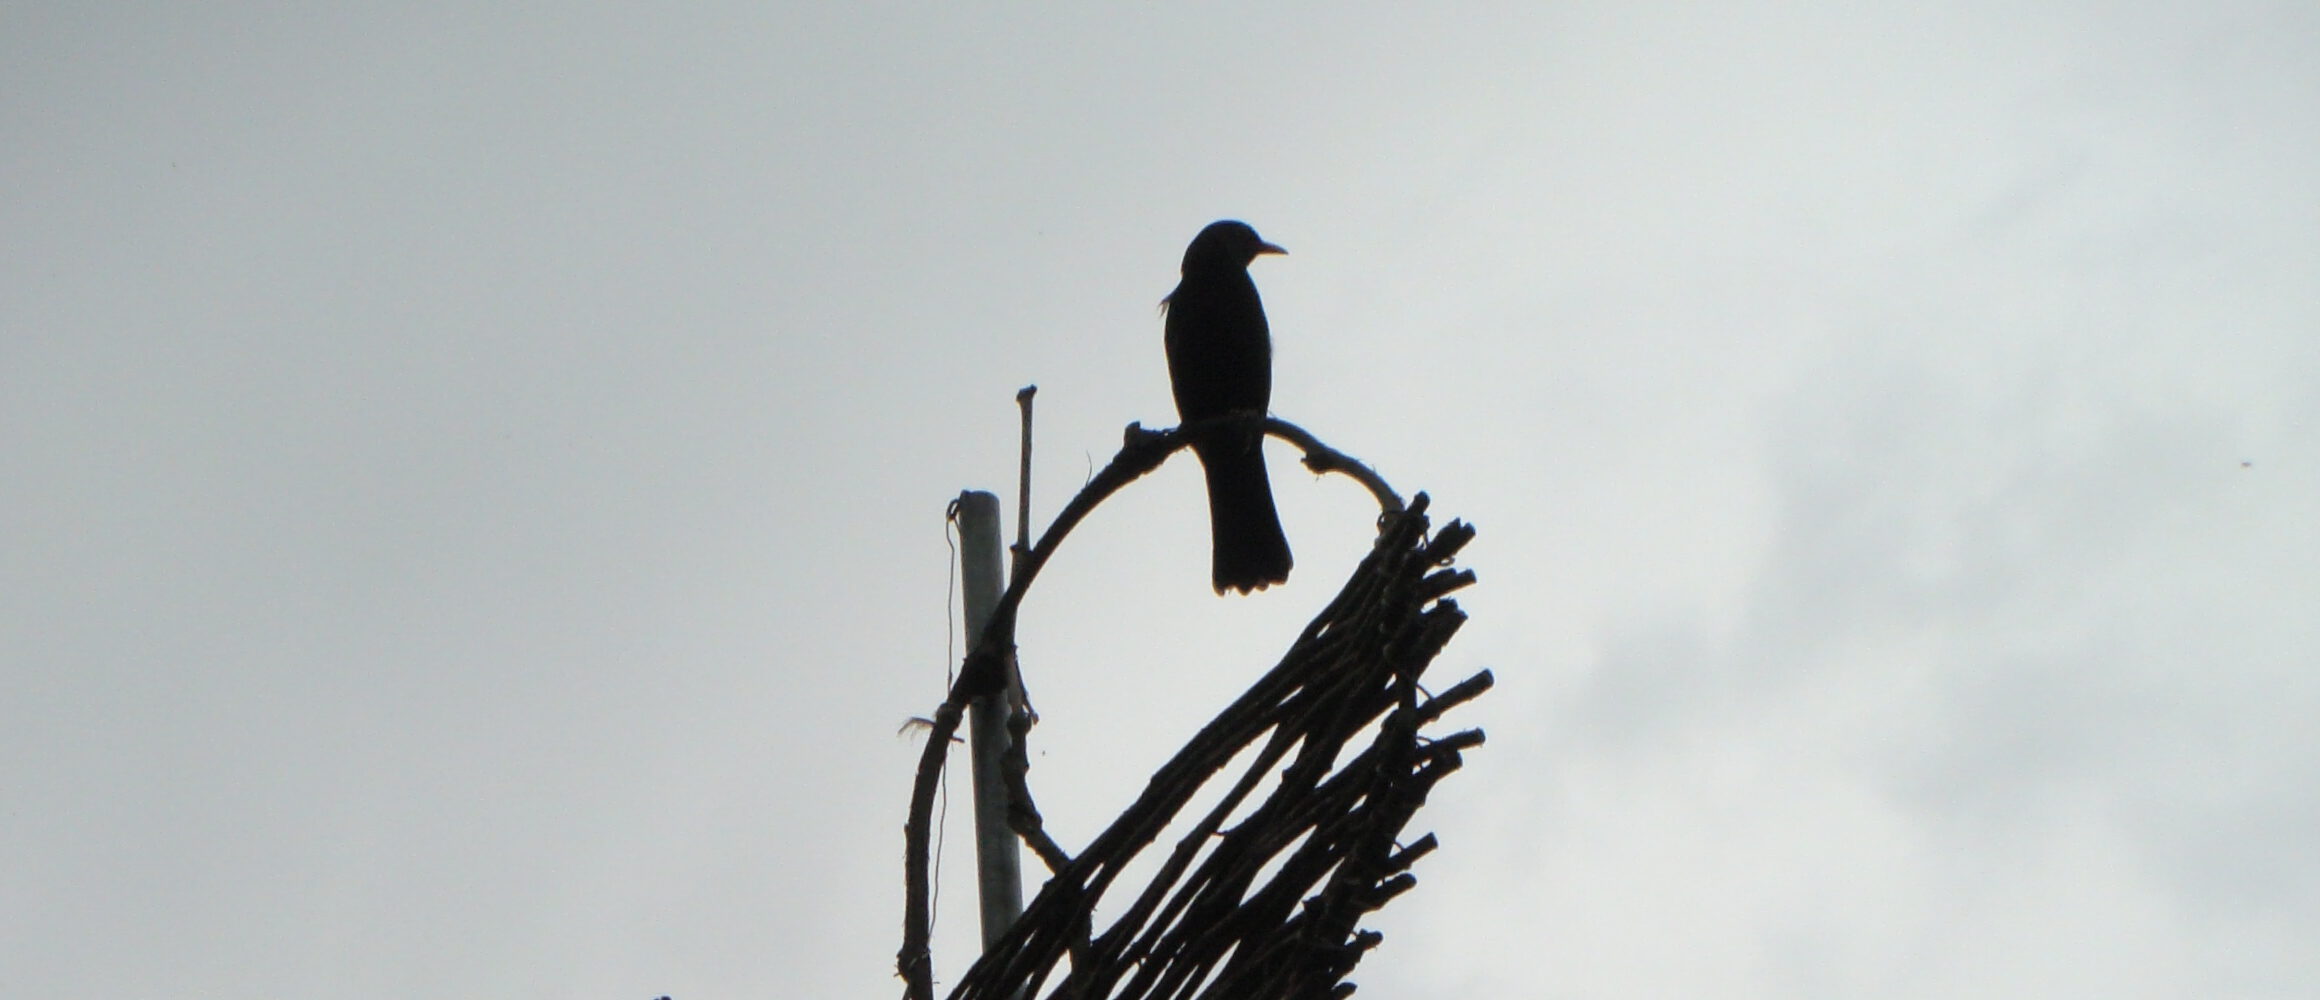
(942, 813)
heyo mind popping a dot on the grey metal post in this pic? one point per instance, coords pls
(998, 858)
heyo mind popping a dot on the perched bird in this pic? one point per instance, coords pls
(1220, 362)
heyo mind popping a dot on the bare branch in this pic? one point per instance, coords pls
(1233, 912)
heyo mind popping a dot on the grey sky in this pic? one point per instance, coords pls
(471, 482)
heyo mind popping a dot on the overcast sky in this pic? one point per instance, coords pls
(471, 479)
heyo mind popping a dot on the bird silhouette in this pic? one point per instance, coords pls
(1220, 362)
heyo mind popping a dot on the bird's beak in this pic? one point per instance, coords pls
(1266, 248)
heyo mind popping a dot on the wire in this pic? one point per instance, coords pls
(942, 812)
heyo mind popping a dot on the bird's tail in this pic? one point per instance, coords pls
(1249, 552)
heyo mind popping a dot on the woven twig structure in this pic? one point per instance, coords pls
(1267, 906)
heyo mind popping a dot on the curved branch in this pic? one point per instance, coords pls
(1323, 460)
(985, 669)
(1141, 451)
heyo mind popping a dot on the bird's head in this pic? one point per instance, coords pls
(1228, 244)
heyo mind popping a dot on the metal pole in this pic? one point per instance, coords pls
(998, 858)
(1023, 483)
